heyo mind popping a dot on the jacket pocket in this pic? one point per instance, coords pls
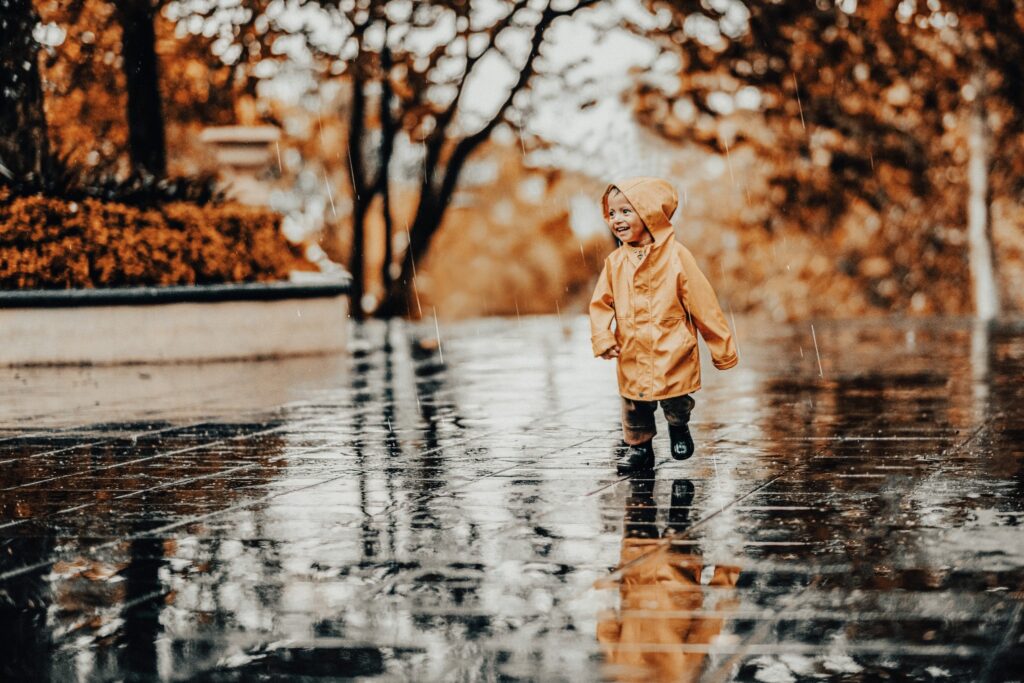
(675, 356)
(676, 333)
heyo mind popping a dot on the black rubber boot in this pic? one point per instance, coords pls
(682, 442)
(679, 510)
(636, 458)
(641, 520)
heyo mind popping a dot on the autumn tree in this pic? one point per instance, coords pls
(84, 84)
(864, 105)
(408, 66)
(420, 94)
(104, 117)
(104, 85)
(24, 152)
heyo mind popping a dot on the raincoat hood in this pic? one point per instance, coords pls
(655, 201)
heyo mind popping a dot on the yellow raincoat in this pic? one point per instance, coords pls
(657, 306)
(663, 626)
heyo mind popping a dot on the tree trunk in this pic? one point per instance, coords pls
(360, 194)
(389, 236)
(400, 298)
(24, 146)
(357, 258)
(434, 197)
(429, 215)
(146, 142)
(388, 129)
(983, 276)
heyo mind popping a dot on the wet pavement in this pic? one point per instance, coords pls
(424, 511)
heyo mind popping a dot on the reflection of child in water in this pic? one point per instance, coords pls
(640, 643)
(658, 298)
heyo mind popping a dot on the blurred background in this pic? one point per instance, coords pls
(833, 158)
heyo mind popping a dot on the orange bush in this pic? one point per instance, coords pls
(48, 243)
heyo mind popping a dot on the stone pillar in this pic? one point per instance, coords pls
(247, 159)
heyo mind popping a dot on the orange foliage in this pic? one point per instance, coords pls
(49, 243)
(84, 85)
(85, 91)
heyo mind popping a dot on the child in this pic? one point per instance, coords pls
(658, 298)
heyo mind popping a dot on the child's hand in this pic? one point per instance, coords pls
(611, 353)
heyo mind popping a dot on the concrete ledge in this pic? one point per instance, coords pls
(133, 296)
(172, 324)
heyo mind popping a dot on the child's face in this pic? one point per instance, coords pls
(625, 222)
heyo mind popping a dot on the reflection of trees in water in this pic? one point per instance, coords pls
(440, 521)
(1003, 443)
(849, 424)
(999, 367)
(401, 425)
(143, 600)
(660, 630)
(907, 442)
(102, 608)
(26, 645)
(907, 491)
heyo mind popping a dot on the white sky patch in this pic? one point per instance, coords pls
(50, 35)
(748, 97)
(602, 140)
(485, 90)
(721, 102)
(585, 217)
(703, 28)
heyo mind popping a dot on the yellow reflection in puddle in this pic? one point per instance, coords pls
(671, 605)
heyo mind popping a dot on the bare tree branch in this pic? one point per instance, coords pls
(466, 146)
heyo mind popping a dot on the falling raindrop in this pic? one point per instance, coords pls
(816, 353)
(734, 336)
(330, 195)
(352, 174)
(280, 166)
(799, 104)
(728, 160)
(437, 331)
(412, 259)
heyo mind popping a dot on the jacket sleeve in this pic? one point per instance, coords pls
(602, 313)
(702, 305)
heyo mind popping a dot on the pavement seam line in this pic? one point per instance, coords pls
(241, 506)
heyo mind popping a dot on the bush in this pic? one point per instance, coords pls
(49, 243)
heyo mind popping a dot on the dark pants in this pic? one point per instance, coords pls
(638, 417)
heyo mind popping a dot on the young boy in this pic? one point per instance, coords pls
(658, 298)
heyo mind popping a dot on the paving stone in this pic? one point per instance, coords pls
(425, 511)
